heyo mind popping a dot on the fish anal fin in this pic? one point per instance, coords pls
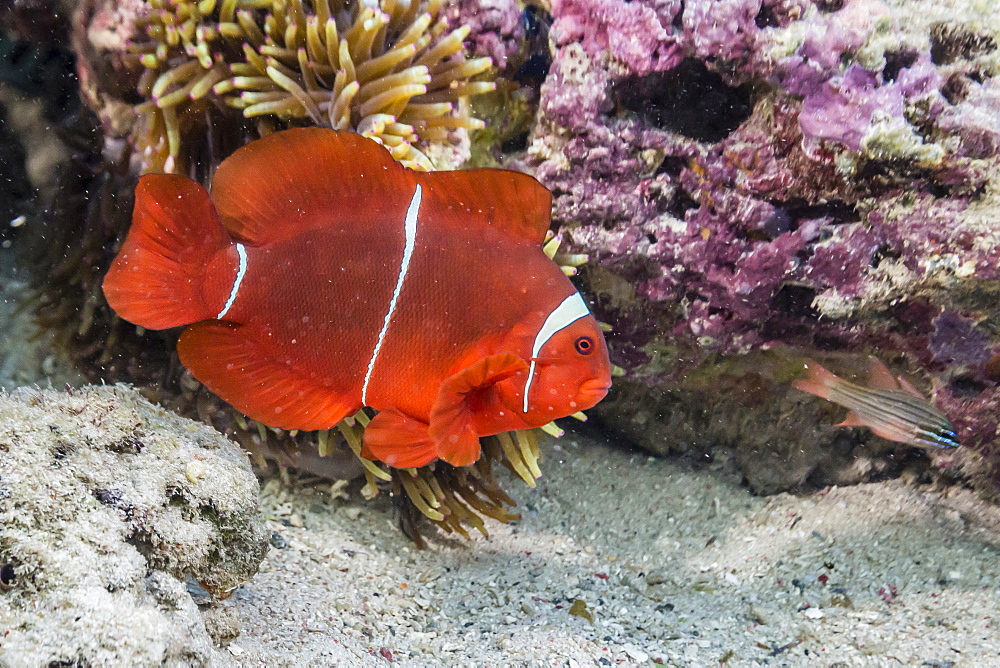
(398, 440)
(879, 429)
(510, 202)
(853, 420)
(302, 179)
(879, 376)
(453, 414)
(229, 361)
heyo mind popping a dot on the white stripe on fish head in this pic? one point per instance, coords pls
(569, 311)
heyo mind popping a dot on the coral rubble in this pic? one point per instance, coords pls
(108, 506)
(753, 174)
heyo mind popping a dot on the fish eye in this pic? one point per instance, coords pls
(584, 345)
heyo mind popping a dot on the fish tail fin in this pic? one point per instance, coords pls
(818, 381)
(158, 280)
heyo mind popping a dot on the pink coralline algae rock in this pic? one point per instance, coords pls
(754, 175)
(635, 33)
(496, 27)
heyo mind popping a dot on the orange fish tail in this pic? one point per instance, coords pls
(159, 278)
(818, 382)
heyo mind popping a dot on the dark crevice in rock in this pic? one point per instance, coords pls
(537, 56)
(41, 70)
(829, 6)
(690, 100)
(766, 18)
(884, 252)
(681, 203)
(795, 300)
(964, 386)
(956, 88)
(954, 41)
(896, 62)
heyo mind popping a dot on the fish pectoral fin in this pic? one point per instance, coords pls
(398, 440)
(232, 362)
(853, 420)
(451, 419)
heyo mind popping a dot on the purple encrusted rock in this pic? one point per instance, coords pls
(496, 27)
(637, 34)
(776, 175)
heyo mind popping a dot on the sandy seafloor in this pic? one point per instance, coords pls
(675, 565)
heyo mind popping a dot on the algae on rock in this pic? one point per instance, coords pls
(108, 505)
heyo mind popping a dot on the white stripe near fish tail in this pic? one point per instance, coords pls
(241, 271)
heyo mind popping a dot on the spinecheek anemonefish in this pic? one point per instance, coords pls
(320, 276)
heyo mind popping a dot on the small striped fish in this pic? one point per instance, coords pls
(890, 406)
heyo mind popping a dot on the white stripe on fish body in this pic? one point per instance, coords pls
(241, 271)
(410, 233)
(569, 311)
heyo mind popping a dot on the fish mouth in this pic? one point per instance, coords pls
(594, 388)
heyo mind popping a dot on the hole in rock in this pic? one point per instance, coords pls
(951, 41)
(689, 100)
(967, 387)
(897, 61)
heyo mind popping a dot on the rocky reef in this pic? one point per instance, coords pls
(757, 181)
(109, 506)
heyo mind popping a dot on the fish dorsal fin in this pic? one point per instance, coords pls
(474, 199)
(451, 419)
(307, 178)
(906, 386)
(879, 376)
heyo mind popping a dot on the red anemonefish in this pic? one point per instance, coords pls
(322, 276)
(891, 407)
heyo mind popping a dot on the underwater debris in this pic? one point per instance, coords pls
(392, 71)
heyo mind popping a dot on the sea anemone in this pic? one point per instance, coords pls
(391, 70)
(217, 74)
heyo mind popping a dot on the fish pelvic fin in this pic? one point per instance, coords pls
(398, 440)
(818, 382)
(157, 280)
(453, 414)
